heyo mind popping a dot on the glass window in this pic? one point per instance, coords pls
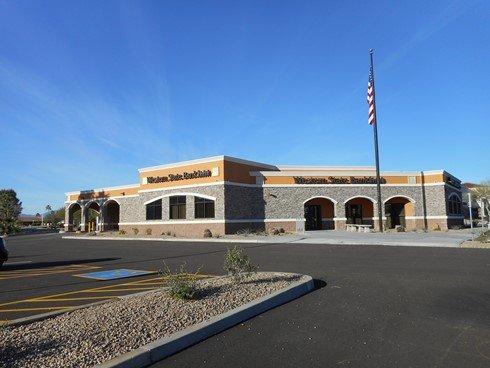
(177, 207)
(154, 210)
(203, 208)
(454, 205)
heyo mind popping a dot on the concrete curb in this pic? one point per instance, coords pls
(190, 240)
(162, 348)
(299, 241)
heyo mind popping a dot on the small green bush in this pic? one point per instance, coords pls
(135, 231)
(148, 231)
(181, 284)
(122, 232)
(237, 264)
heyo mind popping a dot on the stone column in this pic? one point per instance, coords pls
(189, 207)
(340, 219)
(102, 215)
(67, 218)
(375, 216)
(83, 212)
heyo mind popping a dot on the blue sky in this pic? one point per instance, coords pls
(90, 91)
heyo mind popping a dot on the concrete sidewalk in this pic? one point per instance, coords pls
(451, 238)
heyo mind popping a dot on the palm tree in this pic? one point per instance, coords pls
(481, 193)
(48, 209)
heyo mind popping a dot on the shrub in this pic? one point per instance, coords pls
(237, 264)
(135, 230)
(281, 230)
(181, 284)
(122, 232)
(399, 229)
(275, 232)
(484, 237)
(207, 234)
(148, 231)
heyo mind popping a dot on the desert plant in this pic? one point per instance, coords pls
(181, 284)
(207, 234)
(237, 264)
(135, 230)
(148, 231)
(122, 232)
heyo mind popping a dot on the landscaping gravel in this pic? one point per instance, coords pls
(89, 336)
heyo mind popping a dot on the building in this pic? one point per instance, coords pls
(30, 220)
(226, 194)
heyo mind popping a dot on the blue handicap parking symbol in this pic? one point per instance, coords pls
(120, 273)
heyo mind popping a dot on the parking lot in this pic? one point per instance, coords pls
(380, 306)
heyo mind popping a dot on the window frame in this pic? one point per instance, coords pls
(208, 210)
(177, 205)
(454, 205)
(153, 208)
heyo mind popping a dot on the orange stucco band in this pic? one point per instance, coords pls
(104, 194)
(435, 178)
(240, 173)
(227, 171)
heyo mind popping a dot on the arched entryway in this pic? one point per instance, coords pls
(93, 215)
(396, 210)
(359, 211)
(74, 217)
(319, 213)
(111, 215)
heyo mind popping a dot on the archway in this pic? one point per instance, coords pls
(396, 210)
(74, 217)
(93, 215)
(319, 213)
(111, 217)
(359, 211)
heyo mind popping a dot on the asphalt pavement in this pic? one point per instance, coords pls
(376, 306)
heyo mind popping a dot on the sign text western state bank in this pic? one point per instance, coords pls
(337, 180)
(184, 176)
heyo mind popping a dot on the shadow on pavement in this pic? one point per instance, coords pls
(32, 265)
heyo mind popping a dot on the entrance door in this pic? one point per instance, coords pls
(354, 214)
(313, 216)
(397, 214)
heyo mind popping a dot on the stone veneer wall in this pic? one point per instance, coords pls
(280, 207)
(133, 212)
(285, 204)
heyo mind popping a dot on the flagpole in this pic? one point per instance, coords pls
(376, 150)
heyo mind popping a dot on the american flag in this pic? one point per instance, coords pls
(370, 99)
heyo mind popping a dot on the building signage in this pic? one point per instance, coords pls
(337, 180)
(175, 177)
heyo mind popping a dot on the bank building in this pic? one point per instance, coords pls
(226, 194)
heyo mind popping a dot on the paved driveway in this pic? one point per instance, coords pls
(379, 307)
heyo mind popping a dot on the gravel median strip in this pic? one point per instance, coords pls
(86, 337)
